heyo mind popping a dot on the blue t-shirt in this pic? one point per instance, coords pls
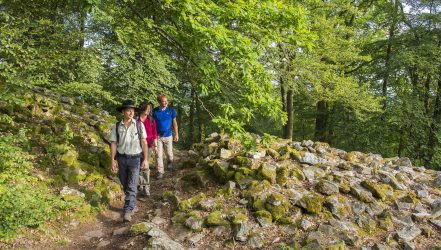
(164, 120)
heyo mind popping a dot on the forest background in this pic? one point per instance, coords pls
(361, 75)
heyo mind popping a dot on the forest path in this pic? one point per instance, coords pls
(108, 231)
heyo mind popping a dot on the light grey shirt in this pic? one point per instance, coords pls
(128, 138)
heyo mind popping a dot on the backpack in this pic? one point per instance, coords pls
(138, 127)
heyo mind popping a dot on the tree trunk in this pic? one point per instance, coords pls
(198, 115)
(427, 95)
(436, 120)
(290, 112)
(283, 99)
(282, 95)
(321, 121)
(191, 118)
(389, 53)
(330, 133)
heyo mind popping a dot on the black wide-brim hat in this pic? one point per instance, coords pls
(126, 104)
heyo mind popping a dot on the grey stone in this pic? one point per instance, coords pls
(297, 146)
(327, 187)
(375, 209)
(421, 216)
(256, 155)
(437, 181)
(403, 161)
(221, 231)
(255, 241)
(156, 232)
(158, 220)
(67, 100)
(241, 231)
(194, 223)
(358, 207)
(403, 205)
(338, 209)
(419, 208)
(388, 178)
(361, 193)
(121, 231)
(309, 158)
(312, 173)
(225, 153)
(436, 213)
(436, 204)
(94, 234)
(196, 238)
(307, 143)
(230, 186)
(437, 223)
(163, 243)
(306, 224)
(102, 244)
(362, 169)
(408, 233)
(71, 191)
(422, 194)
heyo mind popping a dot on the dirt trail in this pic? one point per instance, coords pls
(108, 231)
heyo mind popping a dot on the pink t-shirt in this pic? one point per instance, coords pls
(150, 128)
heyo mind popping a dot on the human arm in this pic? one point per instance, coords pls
(175, 130)
(113, 147)
(114, 164)
(144, 145)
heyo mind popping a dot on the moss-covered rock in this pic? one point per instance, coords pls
(282, 175)
(242, 161)
(215, 219)
(70, 157)
(277, 205)
(264, 215)
(220, 170)
(312, 203)
(239, 218)
(188, 204)
(297, 173)
(273, 153)
(268, 172)
(139, 228)
(172, 198)
(379, 191)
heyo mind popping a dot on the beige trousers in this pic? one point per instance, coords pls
(167, 143)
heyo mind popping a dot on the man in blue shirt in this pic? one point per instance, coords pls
(165, 119)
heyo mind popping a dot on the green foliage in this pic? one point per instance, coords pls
(267, 139)
(26, 206)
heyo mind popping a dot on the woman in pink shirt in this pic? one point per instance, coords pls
(145, 116)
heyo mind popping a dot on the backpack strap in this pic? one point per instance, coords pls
(138, 127)
(117, 131)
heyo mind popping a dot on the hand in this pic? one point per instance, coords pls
(176, 138)
(145, 165)
(114, 166)
(156, 150)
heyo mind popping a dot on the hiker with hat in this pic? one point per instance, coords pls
(128, 145)
(165, 117)
(146, 118)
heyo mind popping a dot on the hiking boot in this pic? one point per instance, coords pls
(170, 166)
(128, 216)
(160, 176)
